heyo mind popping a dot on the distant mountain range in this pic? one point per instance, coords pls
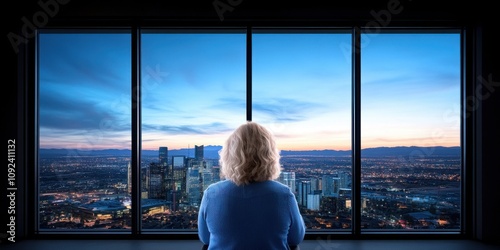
(211, 152)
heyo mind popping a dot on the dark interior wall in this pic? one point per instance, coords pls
(20, 17)
(488, 168)
(222, 12)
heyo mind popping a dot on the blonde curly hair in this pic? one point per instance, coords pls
(250, 155)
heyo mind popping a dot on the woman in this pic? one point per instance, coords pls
(249, 209)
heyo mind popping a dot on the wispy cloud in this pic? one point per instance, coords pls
(285, 109)
(199, 129)
(66, 112)
(230, 104)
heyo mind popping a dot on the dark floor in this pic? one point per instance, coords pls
(196, 245)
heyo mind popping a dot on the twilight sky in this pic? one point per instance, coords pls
(194, 89)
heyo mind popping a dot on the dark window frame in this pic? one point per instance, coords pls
(31, 133)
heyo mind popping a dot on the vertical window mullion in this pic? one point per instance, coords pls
(249, 73)
(136, 131)
(356, 130)
(467, 130)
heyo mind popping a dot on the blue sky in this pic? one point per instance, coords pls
(194, 89)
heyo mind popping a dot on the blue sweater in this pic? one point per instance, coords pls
(260, 215)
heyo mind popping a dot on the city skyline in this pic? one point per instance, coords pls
(194, 90)
(322, 186)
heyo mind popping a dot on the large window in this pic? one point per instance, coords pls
(410, 131)
(193, 96)
(301, 90)
(84, 126)
(197, 85)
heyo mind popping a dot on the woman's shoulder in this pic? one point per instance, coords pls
(280, 187)
(217, 186)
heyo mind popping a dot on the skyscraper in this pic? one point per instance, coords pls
(178, 186)
(145, 182)
(288, 178)
(331, 185)
(163, 156)
(215, 173)
(345, 179)
(193, 181)
(167, 175)
(313, 201)
(206, 178)
(156, 181)
(315, 184)
(304, 190)
(198, 152)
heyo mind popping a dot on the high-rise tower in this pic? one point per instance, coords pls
(303, 191)
(178, 186)
(163, 156)
(198, 152)
(156, 181)
(288, 178)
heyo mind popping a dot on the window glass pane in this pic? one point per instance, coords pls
(193, 96)
(410, 128)
(84, 131)
(302, 93)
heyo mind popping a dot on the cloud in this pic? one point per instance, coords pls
(230, 104)
(199, 129)
(285, 109)
(65, 112)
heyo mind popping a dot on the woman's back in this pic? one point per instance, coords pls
(250, 210)
(259, 215)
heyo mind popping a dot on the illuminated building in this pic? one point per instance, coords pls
(288, 178)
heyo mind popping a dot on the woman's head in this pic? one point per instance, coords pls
(250, 154)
